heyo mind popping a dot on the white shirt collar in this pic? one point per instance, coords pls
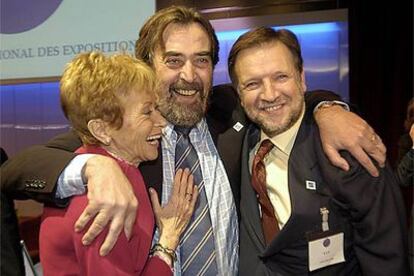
(197, 133)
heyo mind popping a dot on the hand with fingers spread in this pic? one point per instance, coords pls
(111, 201)
(173, 218)
(344, 130)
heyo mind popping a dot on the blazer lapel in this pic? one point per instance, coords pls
(302, 162)
(249, 205)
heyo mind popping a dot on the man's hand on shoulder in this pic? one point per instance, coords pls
(344, 130)
(111, 200)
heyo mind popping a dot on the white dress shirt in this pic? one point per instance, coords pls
(276, 164)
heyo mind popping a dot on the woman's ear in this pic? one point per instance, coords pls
(100, 130)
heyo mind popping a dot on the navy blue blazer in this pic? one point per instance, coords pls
(367, 210)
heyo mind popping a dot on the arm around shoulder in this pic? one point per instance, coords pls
(376, 210)
(313, 98)
(33, 172)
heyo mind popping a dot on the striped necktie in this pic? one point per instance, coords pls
(198, 256)
(270, 224)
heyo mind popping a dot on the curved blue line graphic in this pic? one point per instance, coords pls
(22, 15)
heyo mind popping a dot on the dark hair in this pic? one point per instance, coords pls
(150, 36)
(260, 36)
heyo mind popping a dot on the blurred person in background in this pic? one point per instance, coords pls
(405, 148)
(11, 263)
(405, 171)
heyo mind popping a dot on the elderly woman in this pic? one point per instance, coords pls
(110, 102)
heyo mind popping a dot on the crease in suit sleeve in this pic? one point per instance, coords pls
(377, 215)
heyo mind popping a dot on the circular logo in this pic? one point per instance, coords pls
(22, 15)
(326, 242)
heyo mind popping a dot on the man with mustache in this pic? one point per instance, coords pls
(300, 215)
(182, 48)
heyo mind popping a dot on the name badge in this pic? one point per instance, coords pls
(326, 251)
(327, 247)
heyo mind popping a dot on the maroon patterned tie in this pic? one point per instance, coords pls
(269, 222)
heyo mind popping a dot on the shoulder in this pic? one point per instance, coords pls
(355, 186)
(56, 230)
(224, 104)
(67, 141)
(77, 205)
(225, 116)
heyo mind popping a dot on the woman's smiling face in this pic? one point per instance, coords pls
(138, 138)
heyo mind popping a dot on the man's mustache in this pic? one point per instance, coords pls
(267, 104)
(183, 85)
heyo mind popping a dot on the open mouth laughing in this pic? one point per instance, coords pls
(154, 139)
(183, 88)
(272, 107)
(185, 92)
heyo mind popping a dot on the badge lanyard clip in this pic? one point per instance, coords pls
(324, 213)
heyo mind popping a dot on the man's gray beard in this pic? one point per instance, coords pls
(181, 114)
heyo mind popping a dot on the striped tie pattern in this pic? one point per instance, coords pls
(270, 224)
(198, 256)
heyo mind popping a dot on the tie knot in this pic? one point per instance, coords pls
(182, 130)
(265, 147)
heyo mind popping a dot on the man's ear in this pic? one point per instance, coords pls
(303, 81)
(100, 130)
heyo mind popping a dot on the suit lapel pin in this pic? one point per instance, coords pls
(310, 185)
(238, 126)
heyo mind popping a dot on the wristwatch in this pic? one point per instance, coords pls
(326, 104)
